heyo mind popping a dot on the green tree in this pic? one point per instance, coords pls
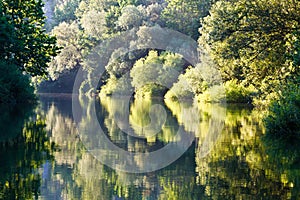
(283, 119)
(185, 15)
(251, 40)
(69, 37)
(14, 86)
(94, 23)
(131, 16)
(106, 13)
(65, 11)
(155, 73)
(29, 47)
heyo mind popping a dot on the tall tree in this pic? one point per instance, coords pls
(28, 46)
(254, 41)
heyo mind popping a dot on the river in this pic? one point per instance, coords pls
(53, 151)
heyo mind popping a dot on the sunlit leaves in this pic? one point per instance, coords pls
(93, 23)
(184, 16)
(250, 39)
(283, 119)
(68, 37)
(161, 70)
(30, 47)
(130, 17)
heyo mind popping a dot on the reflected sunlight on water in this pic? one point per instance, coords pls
(45, 158)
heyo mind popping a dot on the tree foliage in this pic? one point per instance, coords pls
(283, 118)
(251, 40)
(131, 16)
(64, 11)
(28, 47)
(185, 15)
(156, 70)
(14, 86)
(69, 38)
(94, 23)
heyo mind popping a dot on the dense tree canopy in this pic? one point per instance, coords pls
(253, 41)
(185, 15)
(26, 49)
(28, 46)
(254, 45)
(14, 86)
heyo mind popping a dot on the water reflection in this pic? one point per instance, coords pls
(44, 158)
(24, 147)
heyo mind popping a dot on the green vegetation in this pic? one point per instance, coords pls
(185, 15)
(254, 43)
(14, 86)
(250, 56)
(27, 45)
(282, 122)
(25, 48)
(155, 73)
(249, 50)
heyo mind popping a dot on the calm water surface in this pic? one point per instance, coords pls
(43, 155)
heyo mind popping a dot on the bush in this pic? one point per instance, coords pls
(151, 90)
(188, 85)
(14, 86)
(231, 92)
(237, 93)
(214, 94)
(179, 91)
(283, 119)
(115, 86)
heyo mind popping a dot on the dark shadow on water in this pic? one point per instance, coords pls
(24, 147)
(284, 158)
(12, 119)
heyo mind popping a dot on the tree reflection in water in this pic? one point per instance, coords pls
(23, 150)
(237, 162)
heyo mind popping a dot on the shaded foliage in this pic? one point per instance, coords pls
(283, 119)
(14, 86)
